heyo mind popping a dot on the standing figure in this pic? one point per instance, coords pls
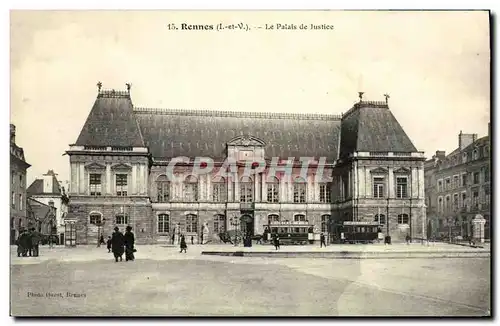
(21, 244)
(192, 240)
(29, 244)
(117, 243)
(408, 239)
(277, 242)
(322, 241)
(35, 241)
(101, 240)
(129, 244)
(108, 244)
(183, 244)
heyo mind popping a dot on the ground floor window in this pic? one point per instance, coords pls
(379, 218)
(121, 219)
(324, 223)
(95, 218)
(219, 223)
(191, 223)
(163, 223)
(403, 219)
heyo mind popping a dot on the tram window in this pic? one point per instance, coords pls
(296, 230)
(363, 229)
(275, 230)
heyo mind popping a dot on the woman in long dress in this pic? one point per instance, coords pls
(183, 244)
(129, 244)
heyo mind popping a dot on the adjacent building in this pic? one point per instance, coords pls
(361, 166)
(18, 168)
(458, 187)
(42, 217)
(49, 191)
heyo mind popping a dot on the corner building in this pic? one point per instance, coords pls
(371, 171)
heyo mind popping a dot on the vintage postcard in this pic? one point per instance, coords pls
(250, 163)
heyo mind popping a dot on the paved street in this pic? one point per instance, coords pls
(163, 282)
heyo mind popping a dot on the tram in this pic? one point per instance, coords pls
(358, 232)
(289, 232)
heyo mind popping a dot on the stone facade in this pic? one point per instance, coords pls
(117, 174)
(18, 168)
(458, 187)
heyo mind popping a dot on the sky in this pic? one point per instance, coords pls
(435, 66)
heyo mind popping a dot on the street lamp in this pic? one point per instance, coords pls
(99, 225)
(236, 223)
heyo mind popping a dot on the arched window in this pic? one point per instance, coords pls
(324, 223)
(163, 223)
(95, 218)
(273, 190)
(299, 218)
(219, 223)
(163, 189)
(191, 189)
(380, 219)
(191, 223)
(475, 154)
(219, 190)
(440, 204)
(299, 190)
(403, 219)
(246, 190)
(273, 218)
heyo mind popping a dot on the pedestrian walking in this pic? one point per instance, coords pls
(201, 237)
(408, 239)
(101, 240)
(21, 244)
(192, 240)
(277, 242)
(322, 240)
(108, 244)
(183, 244)
(117, 244)
(129, 244)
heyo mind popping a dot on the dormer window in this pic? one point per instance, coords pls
(464, 158)
(475, 154)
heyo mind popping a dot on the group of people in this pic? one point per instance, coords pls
(28, 243)
(120, 243)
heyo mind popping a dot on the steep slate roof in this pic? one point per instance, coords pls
(170, 133)
(371, 127)
(36, 188)
(111, 122)
(39, 210)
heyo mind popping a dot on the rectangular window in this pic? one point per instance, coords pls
(191, 191)
(448, 184)
(456, 182)
(325, 193)
(487, 195)
(246, 192)
(299, 193)
(486, 174)
(95, 185)
(272, 192)
(464, 180)
(163, 223)
(12, 177)
(121, 219)
(455, 201)
(440, 186)
(121, 185)
(378, 187)
(13, 199)
(163, 191)
(464, 199)
(21, 183)
(403, 219)
(191, 223)
(476, 177)
(20, 202)
(401, 187)
(219, 193)
(95, 219)
(475, 199)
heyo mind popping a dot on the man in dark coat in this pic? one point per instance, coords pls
(29, 244)
(129, 244)
(183, 244)
(36, 237)
(117, 244)
(322, 240)
(22, 243)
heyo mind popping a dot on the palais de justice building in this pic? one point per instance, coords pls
(372, 172)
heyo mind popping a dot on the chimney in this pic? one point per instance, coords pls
(441, 154)
(465, 140)
(12, 134)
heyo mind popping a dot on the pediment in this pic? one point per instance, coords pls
(121, 166)
(95, 166)
(246, 140)
(379, 171)
(402, 170)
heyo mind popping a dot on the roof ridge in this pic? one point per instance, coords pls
(240, 114)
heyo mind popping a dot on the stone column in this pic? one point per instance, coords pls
(108, 178)
(414, 183)
(263, 191)
(81, 178)
(230, 191)
(236, 188)
(134, 180)
(256, 188)
(421, 184)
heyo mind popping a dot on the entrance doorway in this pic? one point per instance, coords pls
(247, 225)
